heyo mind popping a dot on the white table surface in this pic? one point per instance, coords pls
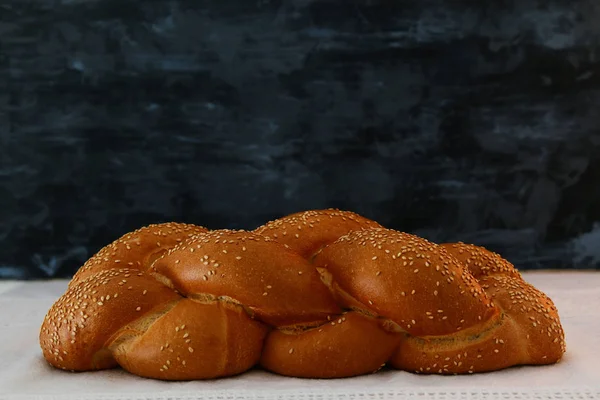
(25, 375)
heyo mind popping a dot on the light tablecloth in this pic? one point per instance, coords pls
(25, 375)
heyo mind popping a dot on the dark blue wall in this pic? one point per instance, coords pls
(475, 121)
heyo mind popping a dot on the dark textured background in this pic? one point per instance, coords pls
(474, 121)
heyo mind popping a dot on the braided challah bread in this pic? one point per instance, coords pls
(319, 294)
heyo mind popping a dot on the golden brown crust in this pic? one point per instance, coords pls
(480, 261)
(527, 331)
(271, 281)
(137, 249)
(177, 347)
(211, 304)
(408, 279)
(349, 345)
(307, 232)
(79, 326)
(491, 348)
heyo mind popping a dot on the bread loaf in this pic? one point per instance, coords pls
(319, 294)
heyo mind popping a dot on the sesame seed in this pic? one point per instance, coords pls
(138, 308)
(190, 350)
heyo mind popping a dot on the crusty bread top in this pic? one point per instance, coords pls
(137, 249)
(410, 280)
(275, 284)
(480, 261)
(308, 231)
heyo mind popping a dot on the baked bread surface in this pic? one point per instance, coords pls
(318, 294)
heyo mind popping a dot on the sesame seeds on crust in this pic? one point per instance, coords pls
(183, 293)
(137, 249)
(308, 231)
(394, 273)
